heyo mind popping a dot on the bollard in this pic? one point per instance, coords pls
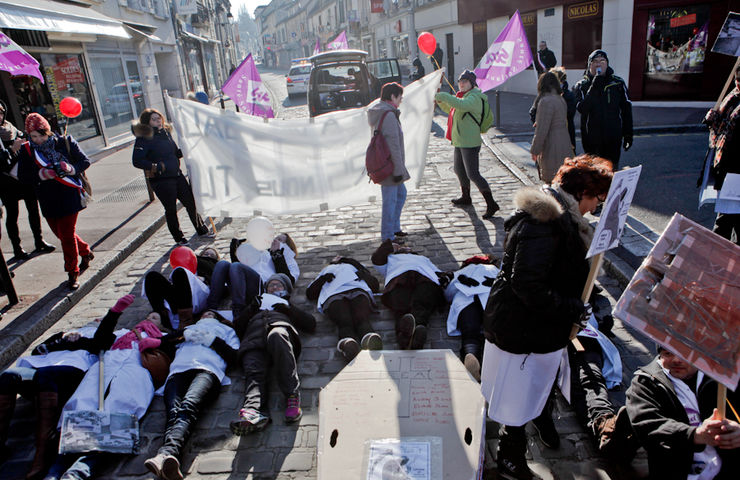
(6, 279)
(498, 109)
(223, 105)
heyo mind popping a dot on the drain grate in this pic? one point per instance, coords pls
(133, 190)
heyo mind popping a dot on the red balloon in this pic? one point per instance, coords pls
(184, 257)
(427, 43)
(70, 107)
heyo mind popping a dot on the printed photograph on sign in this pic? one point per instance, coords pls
(614, 214)
(399, 460)
(728, 40)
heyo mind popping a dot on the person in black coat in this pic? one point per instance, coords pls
(157, 154)
(438, 55)
(681, 441)
(606, 111)
(12, 191)
(268, 332)
(52, 165)
(546, 58)
(419, 69)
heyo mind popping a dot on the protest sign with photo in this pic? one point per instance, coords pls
(728, 40)
(686, 297)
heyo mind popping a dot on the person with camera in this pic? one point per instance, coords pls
(157, 154)
(52, 164)
(12, 191)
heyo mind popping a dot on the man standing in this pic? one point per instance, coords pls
(670, 405)
(546, 58)
(438, 55)
(605, 108)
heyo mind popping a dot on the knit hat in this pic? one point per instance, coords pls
(35, 121)
(469, 76)
(597, 53)
(282, 278)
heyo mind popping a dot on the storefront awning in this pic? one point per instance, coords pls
(198, 37)
(139, 31)
(50, 16)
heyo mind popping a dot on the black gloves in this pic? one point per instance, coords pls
(444, 278)
(488, 282)
(326, 278)
(585, 315)
(467, 281)
(627, 143)
(397, 178)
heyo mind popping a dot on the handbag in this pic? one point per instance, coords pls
(86, 185)
(158, 364)
(378, 155)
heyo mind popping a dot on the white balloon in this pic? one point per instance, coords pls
(248, 255)
(260, 233)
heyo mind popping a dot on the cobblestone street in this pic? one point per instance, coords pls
(436, 229)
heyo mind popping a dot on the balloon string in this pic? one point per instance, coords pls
(443, 75)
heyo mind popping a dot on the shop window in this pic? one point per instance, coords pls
(529, 21)
(65, 77)
(113, 92)
(677, 40)
(582, 23)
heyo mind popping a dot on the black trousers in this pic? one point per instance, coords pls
(470, 324)
(466, 165)
(185, 396)
(60, 379)
(177, 293)
(611, 150)
(169, 190)
(589, 395)
(278, 353)
(11, 192)
(352, 317)
(726, 224)
(420, 298)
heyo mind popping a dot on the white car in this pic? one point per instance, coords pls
(297, 79)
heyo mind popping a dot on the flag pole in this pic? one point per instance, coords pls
(443, 74)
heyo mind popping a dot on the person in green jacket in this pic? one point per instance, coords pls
(464, 133)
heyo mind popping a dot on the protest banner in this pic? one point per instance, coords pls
(240, 163)
(686, 297)
(339, 43)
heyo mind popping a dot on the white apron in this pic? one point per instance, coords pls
(612, 369)
(198, 289)
(345, 279)
(461, 295)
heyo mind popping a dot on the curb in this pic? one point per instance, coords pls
(680, 128)
(614, 266)
(28, 330)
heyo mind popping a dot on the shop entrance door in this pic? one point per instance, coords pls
(113, 92)
(134, 82)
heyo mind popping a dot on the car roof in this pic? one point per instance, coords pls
(300, 61)
(338, 56)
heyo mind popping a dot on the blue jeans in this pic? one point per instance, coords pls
(394, 196)
(243, 282)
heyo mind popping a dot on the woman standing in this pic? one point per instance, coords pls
(157, 154)
(392, 188)
(536, 299)
(551, 142)
(51, 164)
(464, 132)
(12, 191)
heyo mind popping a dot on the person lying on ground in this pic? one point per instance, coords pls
(279, 258)
(176, 299)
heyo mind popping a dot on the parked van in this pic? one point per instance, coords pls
(344, 79)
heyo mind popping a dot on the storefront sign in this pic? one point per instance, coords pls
(376, 6)
(529, 19)
(67, 73)
(583, 10)
(682, 21)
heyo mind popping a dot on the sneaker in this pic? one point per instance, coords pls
(20, 254)
(85, 262)
(404, 330)
(182, 241)
(418, 338)
(545, 428)
(154, 464)
(515, 470)
(293, 411)
(371, 341)
(171, 468)
(472, 365)
(462, 201)
(250, 420)
(401, 233)
(349, 348)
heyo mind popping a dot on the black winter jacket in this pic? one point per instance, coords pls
(153, 148)
(253, 325)
(662, 426)
(56, 199)
(605, 108)
(535, 299)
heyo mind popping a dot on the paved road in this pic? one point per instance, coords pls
(445, 234)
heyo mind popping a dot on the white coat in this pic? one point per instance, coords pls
(461, 295)
(399, 263)
(81, 359)
(612, 369)
(345, 279)
(191, 356)
(198, 289)
(266, 268)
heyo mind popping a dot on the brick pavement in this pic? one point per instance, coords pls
(446, 234)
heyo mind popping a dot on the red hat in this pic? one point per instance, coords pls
(35, 121)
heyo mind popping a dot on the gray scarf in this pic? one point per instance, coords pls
(48, 151)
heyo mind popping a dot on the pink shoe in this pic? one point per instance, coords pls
(293, 411)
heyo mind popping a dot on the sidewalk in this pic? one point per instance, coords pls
(436, 229)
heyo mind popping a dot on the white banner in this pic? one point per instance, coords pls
(240, 163)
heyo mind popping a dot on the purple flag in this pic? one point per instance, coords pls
(339, 43)
(508, 55)
(16, 61)
(245, 88)
(317, 48)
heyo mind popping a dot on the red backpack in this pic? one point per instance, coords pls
(378, 156)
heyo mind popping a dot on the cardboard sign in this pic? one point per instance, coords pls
(416, 415)
(728, 40)
(686, 297)
(614, 214)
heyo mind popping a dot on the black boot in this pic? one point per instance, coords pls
(7, 405)
(511, 456)
(464, 199)
(491, 205)
(43, 247)
(546, 427)
(18, 252)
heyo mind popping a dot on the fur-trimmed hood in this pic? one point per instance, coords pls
(538, 204)
(141, 130)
